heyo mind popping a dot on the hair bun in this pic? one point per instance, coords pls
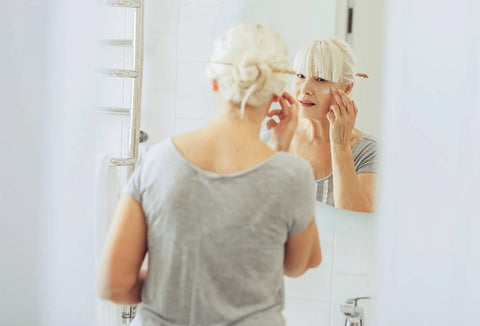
(248, 72)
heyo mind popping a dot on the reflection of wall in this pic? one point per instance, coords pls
(367, 44)
(347, 240)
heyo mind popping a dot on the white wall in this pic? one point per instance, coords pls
(367, 42)
(47, 157)
(429, 219)
(347, 270)
(21, 106)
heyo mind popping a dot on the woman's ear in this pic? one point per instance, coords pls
(348, 88)
(214, 85)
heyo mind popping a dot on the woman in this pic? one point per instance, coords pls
(222, 218)
(343, 158)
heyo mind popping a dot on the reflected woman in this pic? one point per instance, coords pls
(343, 158)
(222, 216)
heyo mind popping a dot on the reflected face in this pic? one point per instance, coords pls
(314, 95)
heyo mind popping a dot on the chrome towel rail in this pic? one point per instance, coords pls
(124, 3)
(136, 72)
(136, 136)
(124, 73)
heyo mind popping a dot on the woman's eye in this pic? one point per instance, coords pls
(320, 79)
(300, 76)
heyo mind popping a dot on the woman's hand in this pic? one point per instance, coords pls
(288, 120)
(342, 117)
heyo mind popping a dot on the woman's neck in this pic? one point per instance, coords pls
(316, 129)
(229, 121)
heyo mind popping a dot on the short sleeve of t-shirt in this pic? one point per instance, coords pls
(133, 187)
(366, 155)
(303, 193)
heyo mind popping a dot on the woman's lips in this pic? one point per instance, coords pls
(306, 104)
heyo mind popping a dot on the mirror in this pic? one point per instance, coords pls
(177, 97)
(300, 22)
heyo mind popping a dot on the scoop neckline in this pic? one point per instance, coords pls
(215, 175)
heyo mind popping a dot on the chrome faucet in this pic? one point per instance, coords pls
(354, 313)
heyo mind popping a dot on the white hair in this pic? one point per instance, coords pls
(329, 58)
(242, 63)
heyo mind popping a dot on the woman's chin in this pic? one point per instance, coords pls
(308, 113)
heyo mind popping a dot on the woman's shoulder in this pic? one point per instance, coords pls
(293, 165)
(366, 141)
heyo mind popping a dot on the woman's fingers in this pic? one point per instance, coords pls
(291, 100)
(331, 117)
(355, 109)
(336, 111)
(271, 124)
(337, 97)
(347, 101)
(276, 112)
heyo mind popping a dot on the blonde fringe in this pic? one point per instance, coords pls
(284, 71)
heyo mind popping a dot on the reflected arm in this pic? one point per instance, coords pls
(352, 191)
(119, 278)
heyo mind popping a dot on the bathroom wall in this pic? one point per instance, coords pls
(177, 98)
(429, 218)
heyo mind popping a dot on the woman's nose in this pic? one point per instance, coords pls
(306, 86)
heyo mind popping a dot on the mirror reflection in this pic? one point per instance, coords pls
(342, 155)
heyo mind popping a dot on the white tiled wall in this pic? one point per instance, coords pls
(347, 240)
(177, 98)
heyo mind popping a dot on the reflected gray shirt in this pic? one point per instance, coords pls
(365, 152)
(216, 242)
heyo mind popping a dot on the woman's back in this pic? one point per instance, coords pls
(216, 241)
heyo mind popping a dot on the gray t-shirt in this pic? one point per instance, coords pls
(365, 152)
(216, 242)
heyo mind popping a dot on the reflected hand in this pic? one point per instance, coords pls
(288, 120)
(342, 117)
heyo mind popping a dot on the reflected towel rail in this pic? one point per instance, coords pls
(124, 3)
(124, 73)
(118, 42)
(135, 135)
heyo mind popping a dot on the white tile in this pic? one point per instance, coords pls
(128, 59)
(202, 2)
(348, 286)
(125, 141)
(161, 16)
(160, 59)
(195, 98)
(345, 222)
(157, 115)
(315, 284)
(195, 36)
(108, 134)
(129, 23)
(113, 23)
(111, 94)
(185, 125)
(128, 92)
(305, 312)
(354, 255)
(325, 217)
(112, 57)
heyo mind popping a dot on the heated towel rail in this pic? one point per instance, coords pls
(135, 135)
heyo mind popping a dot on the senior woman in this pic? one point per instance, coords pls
(222, 216)
(343, 158)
